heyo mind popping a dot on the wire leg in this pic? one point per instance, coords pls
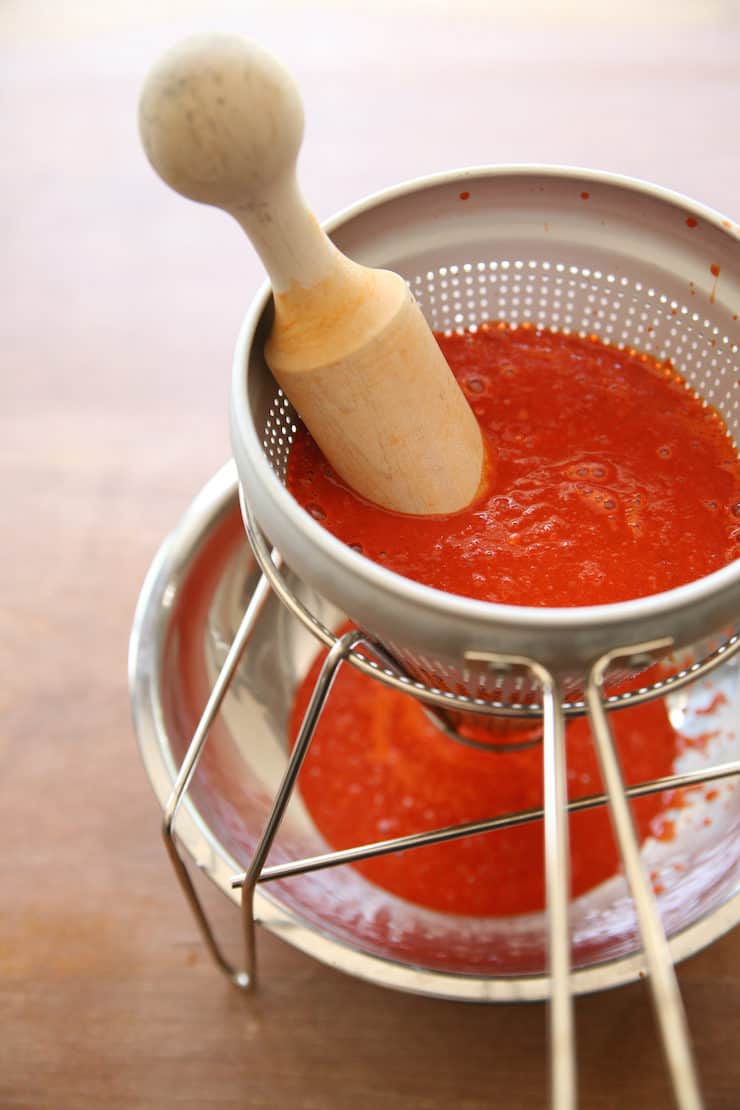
(557, 879)
(664, 984)
(334, 659)
(189, 764)
(557, 876)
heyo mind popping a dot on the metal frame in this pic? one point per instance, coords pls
(554, 711)
(409, 210)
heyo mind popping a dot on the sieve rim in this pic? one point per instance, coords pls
(246, 443)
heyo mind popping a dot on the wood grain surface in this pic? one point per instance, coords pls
(119, 307)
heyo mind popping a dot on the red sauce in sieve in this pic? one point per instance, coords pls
(609, 480)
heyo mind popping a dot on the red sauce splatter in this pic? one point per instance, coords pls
(585, 196)
(464, 195)
(663, 828)
(377, 769)
(690, 221)
(700, 743)
(605, 468)
(714, 270)
(718, 700)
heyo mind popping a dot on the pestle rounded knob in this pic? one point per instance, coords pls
(221, 121)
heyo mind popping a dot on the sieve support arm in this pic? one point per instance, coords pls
(340, 651)
(669, 1009)
(189, 765)
(563, 1082)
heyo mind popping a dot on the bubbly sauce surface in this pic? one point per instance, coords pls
(608, 479)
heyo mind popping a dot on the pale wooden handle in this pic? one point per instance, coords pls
(221, 122)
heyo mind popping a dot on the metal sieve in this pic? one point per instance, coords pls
(577, 251)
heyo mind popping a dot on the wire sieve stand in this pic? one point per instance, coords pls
(360, 651)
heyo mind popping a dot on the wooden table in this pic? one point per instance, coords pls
(120, 304)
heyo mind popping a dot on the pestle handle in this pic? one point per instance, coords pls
(221, 121)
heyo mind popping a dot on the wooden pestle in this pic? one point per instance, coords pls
(221, 121)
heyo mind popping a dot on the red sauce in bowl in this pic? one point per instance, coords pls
(377, 768)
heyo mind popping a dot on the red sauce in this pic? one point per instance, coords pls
(610, 480)
(718, 700)
(377, 768)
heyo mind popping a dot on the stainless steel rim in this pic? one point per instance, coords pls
(250, 454)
